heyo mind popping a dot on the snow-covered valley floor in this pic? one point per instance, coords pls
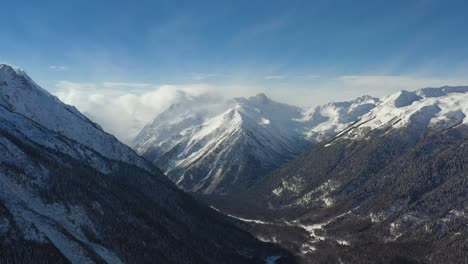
(304, 241)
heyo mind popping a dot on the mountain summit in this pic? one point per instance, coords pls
(227, 146)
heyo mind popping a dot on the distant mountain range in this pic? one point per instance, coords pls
(390, 188)
(220, 147)
(71, 193)
(377, 175)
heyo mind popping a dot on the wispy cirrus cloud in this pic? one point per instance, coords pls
(398, 82)
(58, 67)
(126, 85)
(310, 76)
(63, 84)
(274, 77)
(347, 87)
(205, 76)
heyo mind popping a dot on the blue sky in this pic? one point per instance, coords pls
(300, 52)
(234, 41)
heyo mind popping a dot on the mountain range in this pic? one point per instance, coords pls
(370, 175)
(365, 181)
(222, 147)
(390, 188)
(72, 193)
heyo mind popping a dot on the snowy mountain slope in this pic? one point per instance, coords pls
(164, 132)
(245, 137)
(20, 94)
(408, 115)
(63, 201)
(230, 145)
(325, 121)
(219, 147)
(437, 108)
(393, 182)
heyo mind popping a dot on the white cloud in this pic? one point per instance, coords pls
(75, 85)
(124, 108)
(126, 85)
(380, 85)
(58, 68)
(400, 82)
(124, 112)
(341, 88)
(274, 77)
(311, 76)
(204, 76)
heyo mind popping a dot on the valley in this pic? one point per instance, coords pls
(72, 193)
(234, 132)
(330, 184)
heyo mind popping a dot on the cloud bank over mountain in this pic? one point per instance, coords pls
(124, 108)
(124, 112)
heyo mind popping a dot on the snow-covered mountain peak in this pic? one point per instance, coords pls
(167, 128)
(20, 95)
(263, 104)
(402, 98)
(365, 99)
(260, 98)
(406, 98)
(324, 121)
(441, 91)
(438, 108)
(9, 72)
(209, 146)
(184, 97)
(6, 69)
(204, 115)
(15, 77)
